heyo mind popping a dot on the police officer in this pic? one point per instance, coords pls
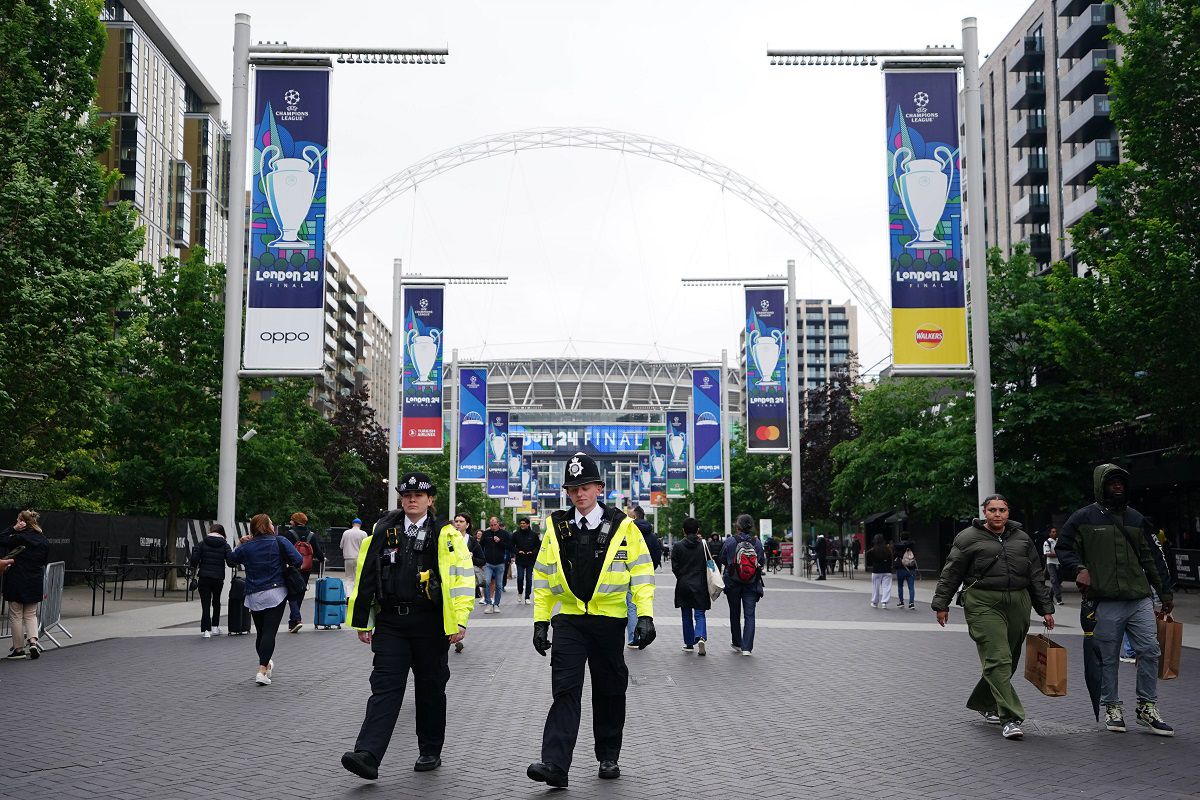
(590, 557)
(412, 595)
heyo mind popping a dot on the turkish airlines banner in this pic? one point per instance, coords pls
(285, 299)
(706, 426)
(472, 425)
(497, 454)
(421, 384)
(766, 371)
(677, 453)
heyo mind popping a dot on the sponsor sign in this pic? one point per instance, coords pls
(706, 426)
(285, 298)
(766, 371)
(929, 317)
(677, 453)
(421, 381)
(497, 454)
(595, 440)
(658, 470)
(472, 425)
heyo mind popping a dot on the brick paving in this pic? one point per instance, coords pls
(838, 701)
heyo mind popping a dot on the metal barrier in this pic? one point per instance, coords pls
(50, 610)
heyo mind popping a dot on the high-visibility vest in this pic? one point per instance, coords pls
(627, 566)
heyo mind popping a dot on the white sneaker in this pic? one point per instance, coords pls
(700, 647)
(216, 631)
(528, 602)
(270, 668)
(262, 679)
(883, 606)
(496, 608)
(206, 635)
(487, 609)
(745, 652)
(874, 605)
(483, 602)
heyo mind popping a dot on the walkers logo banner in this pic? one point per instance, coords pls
(677, 453)
(472, 429)
(421, 385)
(706, 426)
(516, 465)
(644, 478)
(658, 470)
(766, 371)
(497, 454)
(285, 298)
(929, 316)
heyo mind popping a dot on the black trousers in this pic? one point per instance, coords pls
(266, 625)
(210, 598)
(395, 655)
(598, 642)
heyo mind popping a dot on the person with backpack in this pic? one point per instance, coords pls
(906, 571)
(743, 556)
(208, 560)
(305, 541)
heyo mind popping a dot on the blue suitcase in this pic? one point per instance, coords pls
(330, 604)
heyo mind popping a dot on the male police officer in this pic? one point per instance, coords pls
(412, 595)
(589, 558)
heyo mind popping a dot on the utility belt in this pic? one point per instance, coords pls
(404, 609)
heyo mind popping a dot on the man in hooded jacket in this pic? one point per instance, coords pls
(1107, 549)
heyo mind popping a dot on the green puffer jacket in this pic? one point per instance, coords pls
(1121, 567)
(981, 559)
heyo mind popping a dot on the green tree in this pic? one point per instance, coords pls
(357, 458)
(830, 421)
(65, 251)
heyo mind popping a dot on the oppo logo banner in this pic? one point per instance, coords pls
(284, 336)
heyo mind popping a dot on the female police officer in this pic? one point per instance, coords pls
(590, 557)
(412, 595)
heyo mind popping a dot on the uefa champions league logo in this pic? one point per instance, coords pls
(765, 305)
(424, 303)
(921, 99)
(291, 97)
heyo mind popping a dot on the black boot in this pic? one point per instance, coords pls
(362, 764)
(547, 774)
(426, 763)
(609, 770)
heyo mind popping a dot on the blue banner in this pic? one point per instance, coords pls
(766, 371)
(421, 386)
(568, 439)
(472, 429)
(527, 480)
(677, 453)
(285, 298)
(635, 486)
(497, 454)
(706, 426)
(645, 477)
(516, 465)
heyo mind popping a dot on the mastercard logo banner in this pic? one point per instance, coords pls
(929, 336)
(767, 433)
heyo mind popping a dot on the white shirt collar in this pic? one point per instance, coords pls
(419, 523)
(593, 517)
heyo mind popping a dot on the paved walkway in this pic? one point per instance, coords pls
(838, 701)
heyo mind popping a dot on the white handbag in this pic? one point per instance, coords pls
(716, 584)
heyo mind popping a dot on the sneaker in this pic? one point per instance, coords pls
(15, 655)
(912, 606)
(483, 602)
(745, 652)
(1114, 720)
(687, 648)
(1012, 730)
(295, 627)
(261, 679)
(496, 608)
(207, 634)
(883, 606)
(33, 650)
(737, 648)
(1128, 660)
(487, 609)
(991, 717)
(216, 631)
(700, 647)
(900, 605)
(1148, 716)
(631, 646)
(874, 605)
(270, 667)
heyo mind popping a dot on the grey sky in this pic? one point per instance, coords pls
(595, 242)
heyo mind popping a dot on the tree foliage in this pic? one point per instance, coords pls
(830, 421)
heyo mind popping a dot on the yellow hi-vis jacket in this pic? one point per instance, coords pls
(454, 568)
(627, 566)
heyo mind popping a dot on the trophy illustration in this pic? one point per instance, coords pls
(659, 464)
(290, 187)
(676, 441)
(924, 188)
(423, 350)
(514, 466)
(499, 440)
(766, 351)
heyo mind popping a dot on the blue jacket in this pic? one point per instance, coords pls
(264, 567)
(732, 584)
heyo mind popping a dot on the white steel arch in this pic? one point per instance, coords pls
(635, 144)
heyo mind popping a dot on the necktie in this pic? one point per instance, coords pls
(412, 529)
(583, 526)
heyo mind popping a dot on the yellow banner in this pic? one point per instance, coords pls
(930, 336)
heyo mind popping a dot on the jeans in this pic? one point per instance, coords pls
(1135, 618)
(1126, 648)
(266, 625)
(742, 600)
(908, 576)
(630, 617)
(881, 588)
(524, 581)
(694, 626)
(493, 572)
(1055, 582)
(210, 598)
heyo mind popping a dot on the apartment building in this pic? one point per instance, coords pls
(357, 345)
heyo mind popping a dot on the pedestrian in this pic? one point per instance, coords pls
(716, 547)
(208, 560)
(24, 581)
(1112, 554)
(591, 555)
(744, 558)
(411, 604)
(906, 571)
(263, 554)
(879, 562)
(351, 544)
(995, 562)
(654, 545)
(1050, 551)
(479, 562)
(495, 546)
(855, 550)
(305, 541)
(689, 563)
(525, 548)
(821, 549)
(462, 524)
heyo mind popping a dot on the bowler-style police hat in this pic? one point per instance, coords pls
(416, 482)
(581, 469)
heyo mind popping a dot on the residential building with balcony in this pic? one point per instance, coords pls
(357, 344)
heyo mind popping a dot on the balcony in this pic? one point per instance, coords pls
(1039, 247)
(346, 337)
(1086, 78)
(348, 302)
(330, 321)
(346, 376)
(1078, 207)
(1028, 56)
(1032, 170)
(1084, 165)
(1087, 32)
(1033, 207)
(347, 358)
(1030, 92)
(1089, 121)
(326, 380)
(1072, 8)
(1030, 131)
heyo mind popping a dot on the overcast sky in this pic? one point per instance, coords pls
(595, 242)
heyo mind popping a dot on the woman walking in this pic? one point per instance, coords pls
(1001, 574)
(263, 554)
(462, 524)
(879, 562)
(208, 560)
(743, 582)
(24, 582)
(689, 562)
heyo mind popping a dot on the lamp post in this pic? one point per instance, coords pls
(972, 151)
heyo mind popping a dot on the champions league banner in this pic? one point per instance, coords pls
(658, 470)
(421, 384)
(929, 316)
(677, 453)
(527, 491)
(706, 426)
(497, 454)
(644, 478)
(515, 466)
(472, 409)
(286, 273)
(766, 371)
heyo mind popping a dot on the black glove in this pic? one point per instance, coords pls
(541, 637)
(643, 633)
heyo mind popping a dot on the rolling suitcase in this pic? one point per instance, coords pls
(330, 603)
(237, 615)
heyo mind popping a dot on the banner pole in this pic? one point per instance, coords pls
(691, 452)
(726, 432)
(452, 509)
(793, 403)
(394, 378)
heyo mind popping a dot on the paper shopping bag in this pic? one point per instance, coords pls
(1046, 665)
(1170, 642)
